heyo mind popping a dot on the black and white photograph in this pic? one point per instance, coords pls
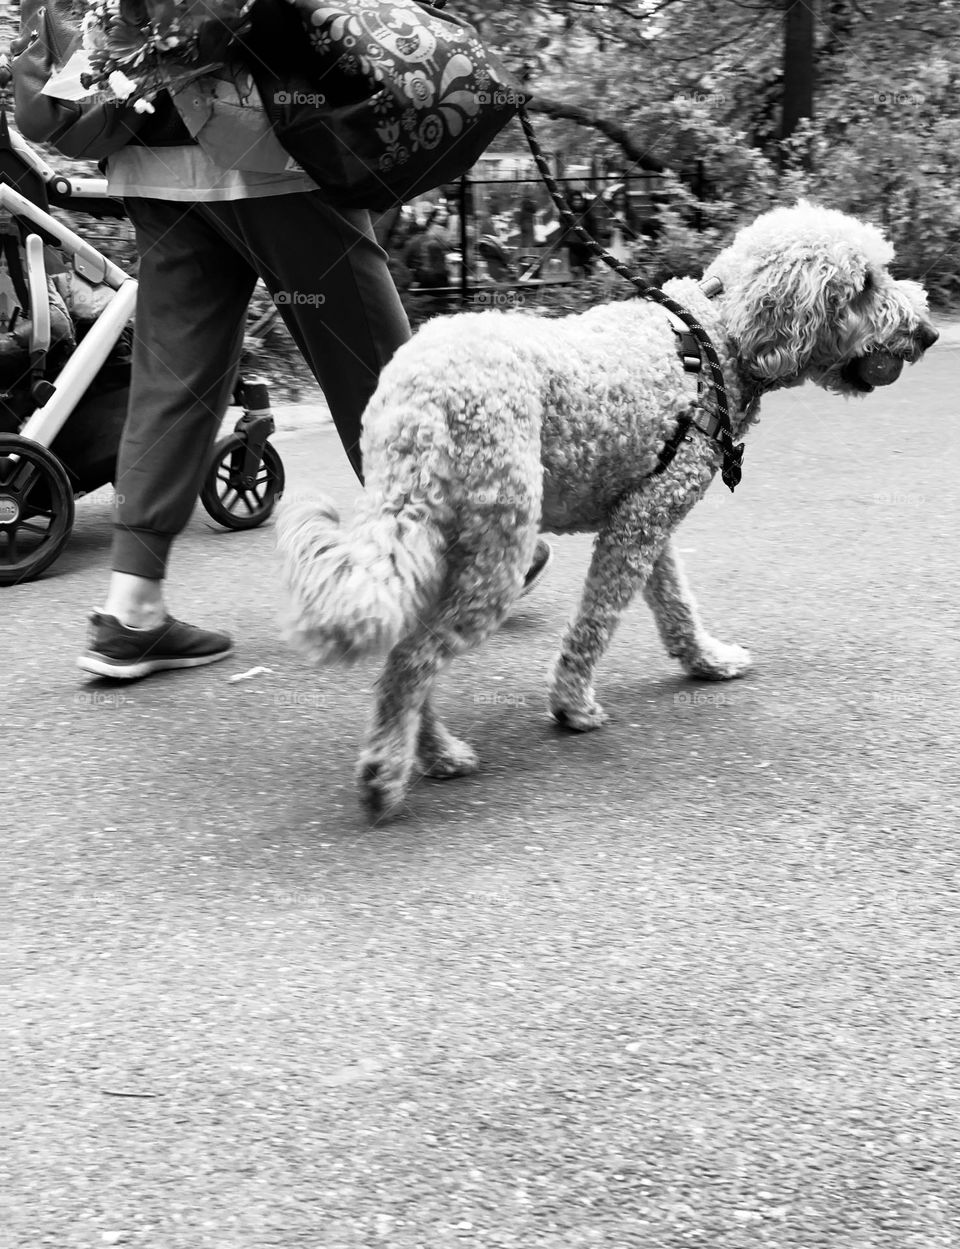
(479, 508)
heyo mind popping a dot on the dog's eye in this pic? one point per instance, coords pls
(869, 284)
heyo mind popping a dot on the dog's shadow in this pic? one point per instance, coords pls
(522, 621)
(525, 752)
(530, 763)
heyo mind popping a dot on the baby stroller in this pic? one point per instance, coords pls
(65, 337)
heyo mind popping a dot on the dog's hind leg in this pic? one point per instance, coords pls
(486, 581)
(440, 755)
(388, 759)
(486, 561)
(669, 597)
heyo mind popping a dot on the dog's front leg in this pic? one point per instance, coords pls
(670, 599)
(623, 559)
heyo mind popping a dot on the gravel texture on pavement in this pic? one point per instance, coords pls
(688, 981)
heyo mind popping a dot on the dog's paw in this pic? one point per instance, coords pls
(455, 759)
(718, 661)
(580, 719)
(570, 697)
(383, 784)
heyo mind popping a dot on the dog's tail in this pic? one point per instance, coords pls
(355, 588)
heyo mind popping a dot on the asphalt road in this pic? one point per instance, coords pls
(688, 981)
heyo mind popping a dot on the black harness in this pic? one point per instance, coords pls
(712, 426)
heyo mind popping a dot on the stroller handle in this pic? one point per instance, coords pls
(88, 195)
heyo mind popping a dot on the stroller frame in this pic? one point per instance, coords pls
(245, 479)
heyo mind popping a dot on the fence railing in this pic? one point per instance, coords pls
(481, 238)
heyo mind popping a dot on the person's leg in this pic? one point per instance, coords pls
(331, 283)
(191, 306)
(193, 293)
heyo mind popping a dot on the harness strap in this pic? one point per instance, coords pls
(672, 445)
(711, 428)
(711, 425)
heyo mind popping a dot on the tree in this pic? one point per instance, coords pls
(731, 84)
(798, 66)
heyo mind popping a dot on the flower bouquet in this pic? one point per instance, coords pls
(133, 49)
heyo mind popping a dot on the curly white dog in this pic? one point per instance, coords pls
(487, 428)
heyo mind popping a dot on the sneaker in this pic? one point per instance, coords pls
(541, 558)
(126, 654)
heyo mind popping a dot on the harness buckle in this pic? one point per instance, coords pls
(689, 351)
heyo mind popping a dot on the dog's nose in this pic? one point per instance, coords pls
(927, 336)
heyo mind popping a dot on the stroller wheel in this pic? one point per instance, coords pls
(236, 497)
(36, 509)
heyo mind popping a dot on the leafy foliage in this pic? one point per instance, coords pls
(890, 151)
(697, 87)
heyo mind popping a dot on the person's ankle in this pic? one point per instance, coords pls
(132, 617)
(135, 601)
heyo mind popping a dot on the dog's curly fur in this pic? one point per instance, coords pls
(486, 429)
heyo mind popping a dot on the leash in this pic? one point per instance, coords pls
(694, 346)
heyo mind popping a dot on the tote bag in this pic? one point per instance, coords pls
(378, 100)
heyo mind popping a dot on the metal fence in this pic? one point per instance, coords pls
(484, 239)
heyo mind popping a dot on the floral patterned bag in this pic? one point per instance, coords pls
(392, 98)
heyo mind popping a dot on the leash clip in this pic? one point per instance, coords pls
(732, 472)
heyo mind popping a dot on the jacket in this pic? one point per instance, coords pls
(234, 127)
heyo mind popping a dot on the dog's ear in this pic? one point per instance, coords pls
(866, 284)
(786, 312)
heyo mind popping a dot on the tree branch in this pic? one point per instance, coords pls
(561, 111)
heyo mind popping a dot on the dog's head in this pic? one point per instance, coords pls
(808, 296)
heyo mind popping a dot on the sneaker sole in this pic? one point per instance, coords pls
(117, 670)
(532, 585)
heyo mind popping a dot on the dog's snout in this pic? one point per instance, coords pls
(927, 336)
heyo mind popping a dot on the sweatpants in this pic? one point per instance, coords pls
(199, 264)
